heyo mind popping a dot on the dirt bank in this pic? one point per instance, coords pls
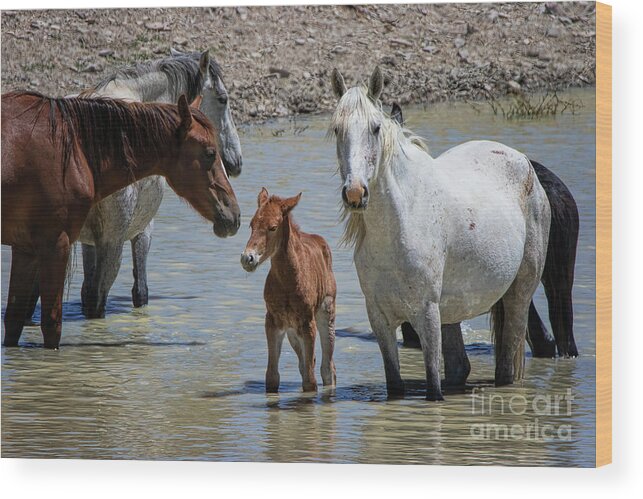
(277, 60)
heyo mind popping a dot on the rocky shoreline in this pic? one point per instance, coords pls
(277, 60)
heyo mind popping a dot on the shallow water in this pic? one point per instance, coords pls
(183, 377)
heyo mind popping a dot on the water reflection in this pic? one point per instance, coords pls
(183, 377)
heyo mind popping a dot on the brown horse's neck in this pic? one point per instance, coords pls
(115, 176)
(285, 261)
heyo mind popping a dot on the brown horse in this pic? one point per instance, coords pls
(61, 156)
(299, 292)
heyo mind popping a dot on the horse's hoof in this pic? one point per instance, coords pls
(52, 346)
(434, 397)
(504, 380)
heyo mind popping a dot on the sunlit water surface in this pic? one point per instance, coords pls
(183, 377)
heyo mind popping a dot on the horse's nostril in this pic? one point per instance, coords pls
(365, 196)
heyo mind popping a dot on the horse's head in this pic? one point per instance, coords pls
(357, 124)
(216, 107)
(266, 226)
(199, 175)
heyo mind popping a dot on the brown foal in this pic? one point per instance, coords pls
(299, 292)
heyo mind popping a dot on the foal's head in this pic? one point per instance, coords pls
(199, 175)
(267, 227)
(358, 124)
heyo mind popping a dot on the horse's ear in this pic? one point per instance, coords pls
(186, 117)
(289, 203)
(339, 86)
(396, 114)
(375, 84)
(262, 197)
(175, 53)
(196, 103)
(204, 62)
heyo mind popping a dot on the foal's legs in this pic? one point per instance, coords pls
(108, 263)
(325, 319)
(456, 362)
(24, 272)
(429, 329)
(307, 334)
(140, 248)
(387, 340)
(275, 339)
(53, 267)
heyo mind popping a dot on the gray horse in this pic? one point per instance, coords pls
(128, 214)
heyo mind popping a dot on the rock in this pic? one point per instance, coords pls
(157, 26)
(400, 41)
(283, 73)
(514, 87)
(459, 42)
(493, 15)
(460, 28)
(554, 31)
(431, 49)
(105, 52)
(306, 75)
(300, 41)
(92, 68)
(242, 12)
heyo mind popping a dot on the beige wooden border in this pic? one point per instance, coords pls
(603, 234)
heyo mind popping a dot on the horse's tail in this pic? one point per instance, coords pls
(558, 274)
(497, 318)
(71, 269)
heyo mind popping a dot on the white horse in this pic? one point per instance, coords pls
(438, 240)
(128, 214)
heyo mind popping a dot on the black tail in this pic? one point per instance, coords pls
(558, 274)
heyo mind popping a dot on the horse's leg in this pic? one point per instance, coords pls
(387, 340)
(108, 263)
(53, 267)
(410, 338)
(275, 339)
(24, 271)
(295, 343)
(33, 301)
(541, 342)
(456, 362)
(325, 319)
(89, 269)
(429, 328)
(140, 248)
(307, 334)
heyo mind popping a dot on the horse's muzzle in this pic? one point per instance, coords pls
(227, 226)
(249, 261)
(355, 197)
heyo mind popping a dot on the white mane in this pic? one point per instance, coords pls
(392, 137)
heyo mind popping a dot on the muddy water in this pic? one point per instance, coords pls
(183, 377)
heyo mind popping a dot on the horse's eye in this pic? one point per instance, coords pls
(376, 129)
(210, 153)
(273, 228)
(223, 99)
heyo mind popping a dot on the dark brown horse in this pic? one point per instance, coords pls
(61, 156)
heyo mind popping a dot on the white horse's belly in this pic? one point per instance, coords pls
(125, 213)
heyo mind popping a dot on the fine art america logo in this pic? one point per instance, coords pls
(521, 417)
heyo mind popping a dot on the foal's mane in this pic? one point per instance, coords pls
(110, 130)
(181, 71)
(392, 136)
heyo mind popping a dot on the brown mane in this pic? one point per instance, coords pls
(110, 129)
